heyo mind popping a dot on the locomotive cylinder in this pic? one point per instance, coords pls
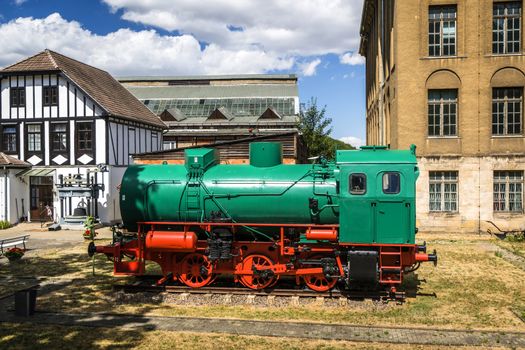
(171, 241)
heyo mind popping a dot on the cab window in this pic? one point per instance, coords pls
(357, 183)
(391, 183)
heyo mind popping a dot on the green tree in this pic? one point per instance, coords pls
(315, 128)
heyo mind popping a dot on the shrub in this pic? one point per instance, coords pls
(4, 224)
(89, 234)
(89, 225)
(517, 237)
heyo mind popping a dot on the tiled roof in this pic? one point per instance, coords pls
(98, 84)
(12, 162)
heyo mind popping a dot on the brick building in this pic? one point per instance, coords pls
(448, 76)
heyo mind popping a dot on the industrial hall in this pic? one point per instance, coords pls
(225, 110)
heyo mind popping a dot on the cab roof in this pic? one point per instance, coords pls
(376, 154)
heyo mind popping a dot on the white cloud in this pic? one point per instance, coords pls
(305, 28)
(354, 141)
(126, 52)
(352, 58)
(19, 2)
(209, 36)
(309, 68)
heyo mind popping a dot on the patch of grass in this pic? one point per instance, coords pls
(4, 224)
(515, 247)
(461, 292)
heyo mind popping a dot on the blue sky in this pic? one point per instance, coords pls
(317, 41)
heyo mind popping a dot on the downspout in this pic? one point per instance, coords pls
(480, 48)
(381, 35)
(5, 193)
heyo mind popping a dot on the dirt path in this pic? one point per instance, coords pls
(504, 253)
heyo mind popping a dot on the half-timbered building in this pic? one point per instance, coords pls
(76, 126)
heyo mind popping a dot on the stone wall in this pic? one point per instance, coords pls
(475, 194)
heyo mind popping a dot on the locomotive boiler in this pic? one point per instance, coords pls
(349, 222)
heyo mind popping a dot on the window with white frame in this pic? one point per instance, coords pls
(442, 112)
(34, 137)
(443, 190)
(508, 191)
(507, 106)
(442, 30)
(506, 27)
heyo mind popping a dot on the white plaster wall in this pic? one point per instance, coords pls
(113, 203)
(100, 141)
(17, 190)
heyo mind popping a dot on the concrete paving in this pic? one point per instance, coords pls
(42, 238)
(279, 329)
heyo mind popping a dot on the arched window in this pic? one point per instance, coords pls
(443, 87)
(507, 102)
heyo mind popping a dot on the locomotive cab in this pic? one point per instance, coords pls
(377, 195)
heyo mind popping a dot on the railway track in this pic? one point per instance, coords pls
(142, 287)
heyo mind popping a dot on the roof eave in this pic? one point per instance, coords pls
(368, 6)
(28, 72)
(160, 125)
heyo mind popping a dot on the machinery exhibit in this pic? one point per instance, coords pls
(350, 223)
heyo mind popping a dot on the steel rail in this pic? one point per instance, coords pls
(276, 292)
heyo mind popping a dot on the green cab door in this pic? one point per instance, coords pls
(391, 208)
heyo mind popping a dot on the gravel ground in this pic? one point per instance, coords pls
(188, 299)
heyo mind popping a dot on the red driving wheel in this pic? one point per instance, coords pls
(258, 280)
(196, 271)
(319, 282)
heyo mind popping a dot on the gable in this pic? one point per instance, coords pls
(221, 113)
(172, 115)
(270, 113)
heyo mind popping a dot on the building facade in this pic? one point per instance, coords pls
(448, 76)
(75, 126)
(202, 110)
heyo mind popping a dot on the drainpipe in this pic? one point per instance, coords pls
(381, 35)
(5, 193)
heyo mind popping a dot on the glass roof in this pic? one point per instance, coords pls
(237, 106)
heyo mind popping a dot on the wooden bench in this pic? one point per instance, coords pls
(13, 242)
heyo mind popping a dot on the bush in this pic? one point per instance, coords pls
(89, 226)
(516, 237)
(4, 224)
